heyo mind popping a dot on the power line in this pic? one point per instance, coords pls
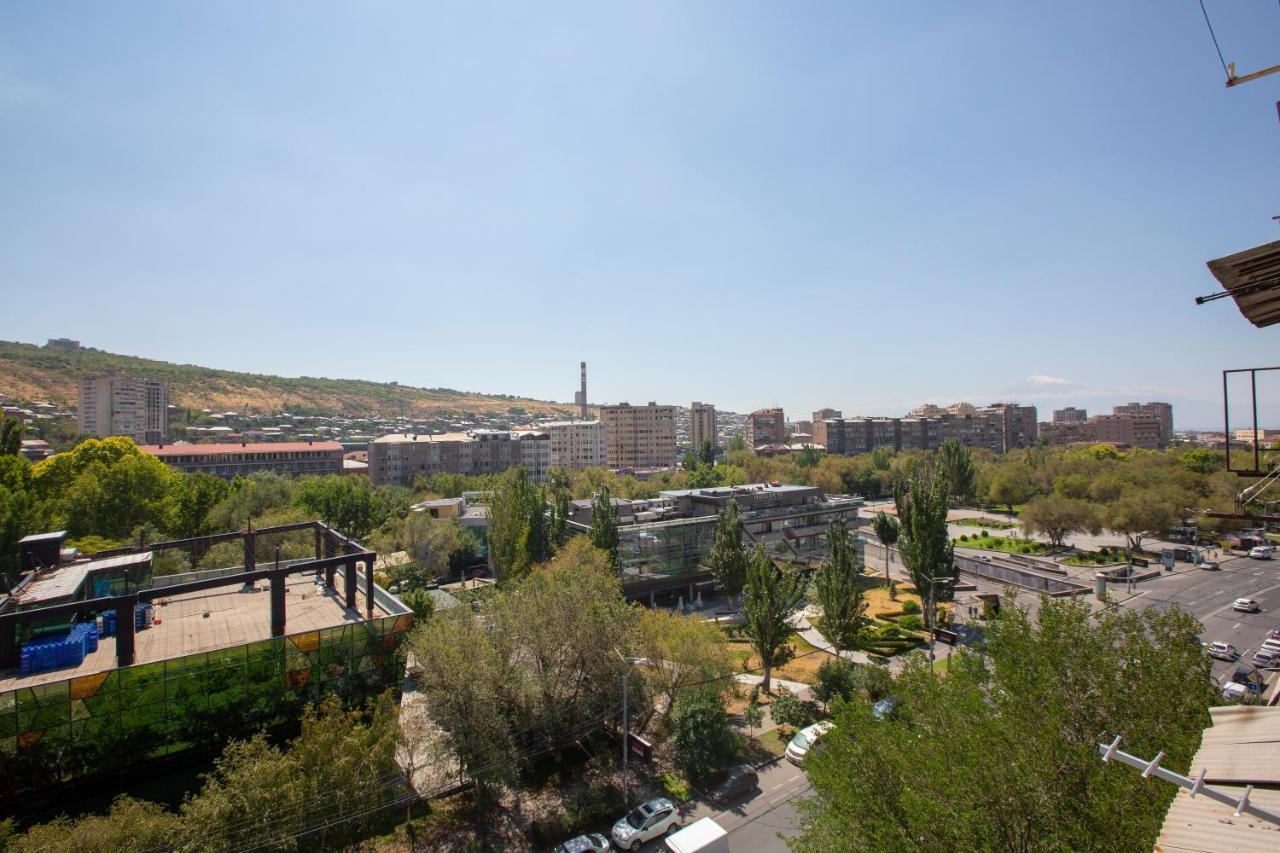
(1214, 36)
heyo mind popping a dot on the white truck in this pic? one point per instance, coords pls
(702, 836)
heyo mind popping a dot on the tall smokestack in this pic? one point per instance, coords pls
(581, 397)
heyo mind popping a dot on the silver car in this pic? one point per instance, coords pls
(645, 822)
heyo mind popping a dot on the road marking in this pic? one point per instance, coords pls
(1237, 625)
(787, 782)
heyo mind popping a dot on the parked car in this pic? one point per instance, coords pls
(1261, 552)
(739, 780)
(1233, 692)
(476, 574)
(1273, 634)
(1271, 645)
(805, 739)
(1264, 659)
(1209, 565)
(645, 822)
(1223, 651)
(1246, 605)
(589, 843)
(1248, 676)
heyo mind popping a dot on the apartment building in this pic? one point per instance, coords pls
(639, 436)
(1000, 427)
(826, 414)
(702, 424)
(1162, 412)
(137, 408)
(576, 444)
(229, 461)
(397, 458)
(1120, 430)
(1070, 415)
(766, 426)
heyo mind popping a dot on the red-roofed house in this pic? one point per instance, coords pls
(233, 460)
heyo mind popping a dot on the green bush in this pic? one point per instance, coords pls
(837, 677)
(910, 606)
(912, 622)
(964, 537)
(788, 710)
(984, 534)
(700, 734)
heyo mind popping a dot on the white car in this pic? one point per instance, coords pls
(1234, 692)
(645, 822)
(590, 843)
(1261, 552)
(1222, 651)
(1246, 605)
(805, 739)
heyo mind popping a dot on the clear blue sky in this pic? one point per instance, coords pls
(859, 205)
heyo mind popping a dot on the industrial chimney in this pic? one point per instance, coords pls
(581, 397)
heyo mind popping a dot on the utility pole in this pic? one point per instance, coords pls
(626, 723)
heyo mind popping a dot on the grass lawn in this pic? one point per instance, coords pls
(1092, 558)
(984, 523)
(803, 669)
(1006, 544)
(774, 741)
(940, 665)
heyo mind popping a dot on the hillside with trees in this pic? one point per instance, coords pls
(30, 372)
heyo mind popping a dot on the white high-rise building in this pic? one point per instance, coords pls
(576, 444)
(137, 408)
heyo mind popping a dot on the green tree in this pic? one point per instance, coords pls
(105, 487)
(464, 678)
(769, 599)
(957, 463)
(700, 733)
(1139, 512)
(837, 679)
(1001, 753)
(10, 436)
(690, 460)
(1058, 517)
(191, 500)
(346, 504)
(604, 525)
(736, 443)
(886, 528)
(332, 776)
(421, 602)
(1011, 485)
(682, 651)
(250, 498)
(790, 710)
(926, 547)
(518, 535)
(561, 494)
(130, 825)
(728, 558)
(707, 453)
(844, 610)
(809, 456)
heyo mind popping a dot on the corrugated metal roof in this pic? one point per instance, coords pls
(1253, 279)
(1242, 746)
(56, 584)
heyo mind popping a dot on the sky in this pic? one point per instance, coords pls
(865, 206)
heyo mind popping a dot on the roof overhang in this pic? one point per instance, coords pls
(1252, 279)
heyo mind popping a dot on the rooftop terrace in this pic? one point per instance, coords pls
(213, 619)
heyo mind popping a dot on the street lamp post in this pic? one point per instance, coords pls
(626, 723)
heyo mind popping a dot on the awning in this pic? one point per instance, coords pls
(1252, 278)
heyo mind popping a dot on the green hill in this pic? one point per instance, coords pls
(32, 373)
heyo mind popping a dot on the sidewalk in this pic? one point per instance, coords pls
(804, 691)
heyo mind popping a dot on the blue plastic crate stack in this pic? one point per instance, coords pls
(55, 653)
(144, 616)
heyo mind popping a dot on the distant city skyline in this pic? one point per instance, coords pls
(834, 205)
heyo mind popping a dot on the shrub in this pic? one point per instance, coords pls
(910, 606)
(964, 537)
(912, 622)
(837, 677)
(788, 710)
(985, 534)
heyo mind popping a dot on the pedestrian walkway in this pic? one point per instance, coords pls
(804, 691)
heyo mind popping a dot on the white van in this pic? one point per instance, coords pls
(1261, 552)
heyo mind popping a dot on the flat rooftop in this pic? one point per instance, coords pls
(210, 620)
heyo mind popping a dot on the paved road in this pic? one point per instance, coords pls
(1208, 597)
(755, 822)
